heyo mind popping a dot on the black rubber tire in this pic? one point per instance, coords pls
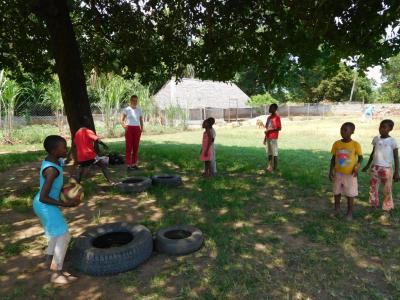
(108, 261)
(166, 179)
(135, 184)
(181, 246)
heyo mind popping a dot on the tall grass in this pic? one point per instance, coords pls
(9, 102)
(52, 97)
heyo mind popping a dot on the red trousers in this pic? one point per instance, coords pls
(132, 140)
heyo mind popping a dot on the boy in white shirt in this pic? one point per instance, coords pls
(383, 155)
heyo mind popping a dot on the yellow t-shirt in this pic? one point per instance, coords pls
(345, 156)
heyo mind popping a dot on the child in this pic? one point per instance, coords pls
(345, 163)
(46, 206)
(84, 140)
(207, 147)
(383, 154)
(273, 126)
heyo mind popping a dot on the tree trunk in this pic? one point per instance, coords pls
(68, 62)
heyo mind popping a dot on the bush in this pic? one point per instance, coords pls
(262, 99)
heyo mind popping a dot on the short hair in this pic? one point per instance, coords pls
(274, 105)
(134, 96)
(52, 141)
(211, 120)
(388, 122)
(349, 124)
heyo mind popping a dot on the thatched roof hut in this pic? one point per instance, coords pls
(190, 93)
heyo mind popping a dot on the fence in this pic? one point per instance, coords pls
(173, 117)
(290, 110)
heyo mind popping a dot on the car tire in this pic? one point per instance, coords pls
(111, 249)
(135, 184)
(178, 239)
(166, 179)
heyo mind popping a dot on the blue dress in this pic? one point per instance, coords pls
(50, 216)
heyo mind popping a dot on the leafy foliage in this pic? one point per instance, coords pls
(52, 97)
(390, 90)
(112, 92)
(9, 102)
(262, 99)
(217, 39)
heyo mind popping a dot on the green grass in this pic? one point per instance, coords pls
(266, 236)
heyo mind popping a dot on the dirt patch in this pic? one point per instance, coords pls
(22, 271)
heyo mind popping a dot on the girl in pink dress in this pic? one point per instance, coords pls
(207, 147)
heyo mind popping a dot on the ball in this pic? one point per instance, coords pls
(72, 191)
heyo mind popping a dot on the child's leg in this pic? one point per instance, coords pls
(60, 277)
(60, 250)
(387, 180)
(350, 203)
(128, 145)
(82, 173)
(50, 250)
(51, 246)
(270, 166)
(337, 191)
(105, 170)
(208, 168)
(374, 187)
(274, 148)
(270, 154)
(135, 146)
(337, 203)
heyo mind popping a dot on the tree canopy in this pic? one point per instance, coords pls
(158, 39)
(390, 89)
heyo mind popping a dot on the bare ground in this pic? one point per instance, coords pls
(277, 250)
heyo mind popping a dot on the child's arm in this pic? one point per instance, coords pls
(102, 143)
(357, 166)
(50, 174)
(123, 118)
(371, 157)
(396, 176)
(141, 124)
(331, 168)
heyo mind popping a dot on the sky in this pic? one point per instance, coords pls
(376, 74)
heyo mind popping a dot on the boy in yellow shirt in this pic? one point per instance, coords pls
(343, 172)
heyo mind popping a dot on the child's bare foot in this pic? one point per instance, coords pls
(349, 217)
(62, 278)
(384, 217)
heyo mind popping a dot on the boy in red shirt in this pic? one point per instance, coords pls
(84, 141)
(273, 126)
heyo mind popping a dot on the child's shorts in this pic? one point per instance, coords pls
(272, 147)
(345, 184)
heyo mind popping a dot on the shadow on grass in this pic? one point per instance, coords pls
(265, 235)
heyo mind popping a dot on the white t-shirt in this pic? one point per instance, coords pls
(383, 154)
(132, 115)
